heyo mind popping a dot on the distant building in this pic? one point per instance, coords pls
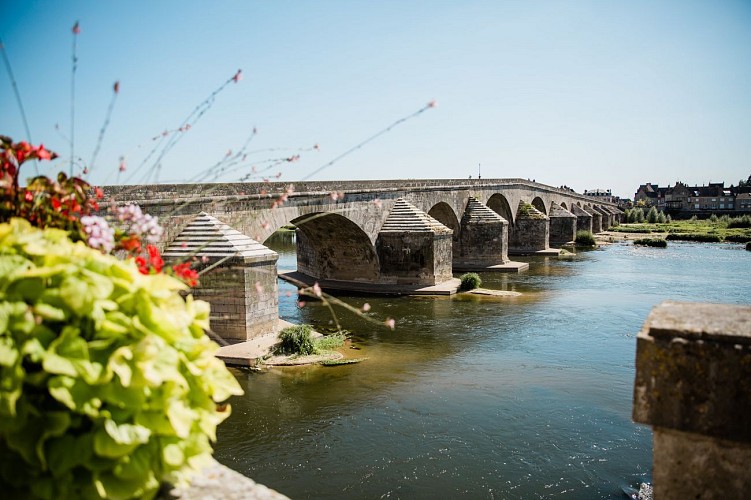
(712, 198)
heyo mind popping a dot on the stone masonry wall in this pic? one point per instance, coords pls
(240, 310)
(528, 236)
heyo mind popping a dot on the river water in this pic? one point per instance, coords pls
(525, 397)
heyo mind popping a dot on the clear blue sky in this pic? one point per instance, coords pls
(589, 94)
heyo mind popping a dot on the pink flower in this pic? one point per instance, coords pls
(390, 323)
(365, 307)
(317, 290)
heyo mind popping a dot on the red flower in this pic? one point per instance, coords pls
(44, 154)
(131, 244)
(153, 265)
(185, 273)
(155, 260)
(29, 196)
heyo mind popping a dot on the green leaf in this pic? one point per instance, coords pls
(115, 440)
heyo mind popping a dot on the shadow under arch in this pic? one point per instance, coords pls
(563, 205)
(330, 246)
(443, 213)
(499, 204)
(539, 205)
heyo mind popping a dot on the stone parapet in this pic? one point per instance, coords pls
(693, 386)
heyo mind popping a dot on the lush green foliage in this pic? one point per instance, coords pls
(109, 384)
(652, 215)
(585, 238)
(743, 221)
(297, 339)
(470, 281)
(651, 242)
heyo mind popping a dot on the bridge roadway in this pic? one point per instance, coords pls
(385, 232)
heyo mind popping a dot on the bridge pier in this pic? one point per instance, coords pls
(596, 219)
(413, 248)
(530, 233)
(242, 289)
(483, 241)
(583, 219)
(562, 225)
(604, 218)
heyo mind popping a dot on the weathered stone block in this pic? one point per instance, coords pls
(693, 385)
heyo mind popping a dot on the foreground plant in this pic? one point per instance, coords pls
(108, 384)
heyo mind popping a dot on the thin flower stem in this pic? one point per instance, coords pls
(102, 131)
(18, 98)
(74, 65)
(369, 139)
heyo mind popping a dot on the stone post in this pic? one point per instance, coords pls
(693, 386)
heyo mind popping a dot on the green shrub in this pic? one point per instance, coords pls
(703, 237)
(743, 221)
(639, 215)
(668, 219)
(713, 218)
(661, 218)
(109, 384)
(585, 239)
(651, 242)
(297, 340)
(470, 281)
(329, 342)
(652, 215)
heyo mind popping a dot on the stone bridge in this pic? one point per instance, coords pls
(401, 236)
(408, 232)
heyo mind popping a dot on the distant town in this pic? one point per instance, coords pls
(682, 199)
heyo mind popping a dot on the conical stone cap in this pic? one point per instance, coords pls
(207, 236)
(528, 211)
(579, 211)
(558, 211)
(478, 212)
(407, 218)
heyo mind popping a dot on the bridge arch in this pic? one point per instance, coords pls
(443, 213)
(499, 204)
(330, 246)
(563, 205)
(539, 205)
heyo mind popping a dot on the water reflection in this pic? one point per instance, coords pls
(524, 397)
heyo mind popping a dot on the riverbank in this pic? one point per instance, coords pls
(719, 230)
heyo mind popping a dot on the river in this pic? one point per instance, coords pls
(525, 397)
